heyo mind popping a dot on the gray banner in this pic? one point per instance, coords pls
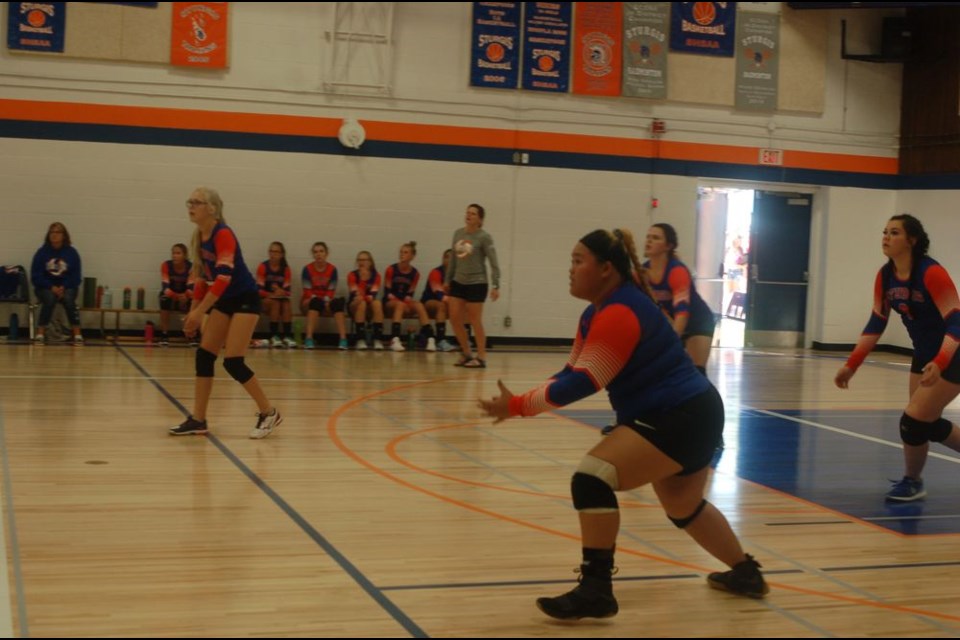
(645, 29)
(758, 61)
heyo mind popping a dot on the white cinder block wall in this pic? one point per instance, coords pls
(123, 203)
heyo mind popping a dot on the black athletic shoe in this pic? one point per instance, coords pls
(189, 427)
(744, 579)
(587, 600)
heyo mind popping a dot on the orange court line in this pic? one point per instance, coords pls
(334, 436)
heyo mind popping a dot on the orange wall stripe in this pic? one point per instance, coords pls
(156, 117)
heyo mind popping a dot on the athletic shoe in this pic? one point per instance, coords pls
(361, 345)
(189, 427)
(78, 340)
(266, 423)
(308, 343)
(276, 342)
(443, 345)
(396, 345)
(290, 343)
(343, 346)
(906, 490)
(586, 600)
(744, 579)
(431, 344)
(377, 345)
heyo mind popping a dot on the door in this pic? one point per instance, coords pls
(778, 269)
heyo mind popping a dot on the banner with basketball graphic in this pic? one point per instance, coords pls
(36, 26)
(495, 50)
(758, 61)
(597, 50)
(703, 27)
(546, 46)
(199, 36)
(645, 29)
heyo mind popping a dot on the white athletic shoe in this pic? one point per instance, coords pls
(266, 423)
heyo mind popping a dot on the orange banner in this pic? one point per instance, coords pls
(597, 57)
(199, 36)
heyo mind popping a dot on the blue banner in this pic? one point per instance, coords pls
(495, 50)
(36, 26)
(703, 27)
(546, 46)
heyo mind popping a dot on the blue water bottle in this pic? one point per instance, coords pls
(14, 333)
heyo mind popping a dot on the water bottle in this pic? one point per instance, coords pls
(14, 333)
(298, 330)
(141, 295)
(148, 332)
(411, 341)
(107, 298)
(99, 297)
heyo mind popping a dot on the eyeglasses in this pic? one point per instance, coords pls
(194, 203)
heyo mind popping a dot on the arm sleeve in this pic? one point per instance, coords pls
(944, 294)
(679, 281)
(262, 280)
(609, 345)
(225, 245)
(491, 252)
(165, 280)
(875, 326)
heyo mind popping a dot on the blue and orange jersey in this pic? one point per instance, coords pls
(364, 289)
(319, 283)
(928, 305)
(676, 293)
(398, 285)
(225, 274)
(173, 282)
(627, 346)
(267, 278)
(434, 288)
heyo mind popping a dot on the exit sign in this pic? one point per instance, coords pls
(771, 156)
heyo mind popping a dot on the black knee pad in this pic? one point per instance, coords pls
(914, 432)
(940, 430)
(238, 369)
(337, 305)
(683, 523)
(590, 493)
(204, 362)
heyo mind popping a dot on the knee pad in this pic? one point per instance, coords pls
(337, 305)
(593, 486)
(238, 369)
(914, 432)
(940, 430)
(204, 363)
(683, 523)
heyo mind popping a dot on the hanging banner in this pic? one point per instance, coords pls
(645, 29)
(546, 46)
(758, 61)
(703, 27)
(598, 43)
(36, 26)
(496, 45)
(199, 37)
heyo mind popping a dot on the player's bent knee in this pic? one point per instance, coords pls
(593, 486)
(914, 432)
(204, 363)
(683, 523)
(238, 369)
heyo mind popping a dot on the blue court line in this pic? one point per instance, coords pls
(14, 541)
(362, 581)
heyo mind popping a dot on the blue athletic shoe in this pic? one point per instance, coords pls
(906, 490)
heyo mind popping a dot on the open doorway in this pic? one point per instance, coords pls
(724, 215)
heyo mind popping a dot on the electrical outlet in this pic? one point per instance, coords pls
(507, 321)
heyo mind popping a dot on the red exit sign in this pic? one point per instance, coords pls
(771, 156)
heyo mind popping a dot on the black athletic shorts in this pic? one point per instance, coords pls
(469, 292)
(244, 303)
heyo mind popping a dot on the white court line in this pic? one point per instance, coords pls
(6, 500)
(886, 443)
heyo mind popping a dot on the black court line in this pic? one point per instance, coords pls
(373, 591)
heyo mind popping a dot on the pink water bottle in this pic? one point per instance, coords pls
(148, 333)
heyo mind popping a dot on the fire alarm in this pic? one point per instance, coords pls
(654, 203)
(658, 127)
